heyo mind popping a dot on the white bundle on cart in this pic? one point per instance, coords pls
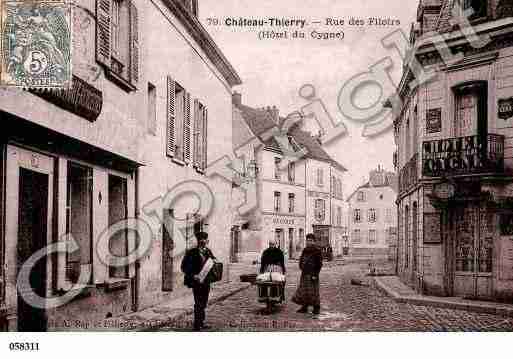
(271, 277)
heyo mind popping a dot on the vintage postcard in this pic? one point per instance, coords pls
(242, 166)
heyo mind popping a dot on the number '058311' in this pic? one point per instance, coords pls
(19, 346)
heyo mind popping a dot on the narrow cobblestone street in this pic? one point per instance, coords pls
(345, 307)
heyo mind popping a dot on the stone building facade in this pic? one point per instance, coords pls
(293, 199)
(372, 216)
(75, 162)
(454, 140)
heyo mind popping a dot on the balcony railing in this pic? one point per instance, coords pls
(463, 155)
(408, 175)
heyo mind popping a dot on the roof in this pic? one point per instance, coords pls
(261, 121)
(389, 182)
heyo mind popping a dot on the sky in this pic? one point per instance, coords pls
(273, 71)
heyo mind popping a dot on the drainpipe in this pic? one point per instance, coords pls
(135, 283)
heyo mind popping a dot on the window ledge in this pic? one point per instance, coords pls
(115, 284)
(118, 80)
(178, 162)
(84, 292)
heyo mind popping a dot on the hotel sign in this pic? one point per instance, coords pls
(81, 98)
(462, 155)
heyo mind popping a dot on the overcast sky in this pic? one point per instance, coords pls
(273, 71)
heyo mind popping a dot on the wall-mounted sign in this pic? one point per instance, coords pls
(287, 221)
(434, 120)
(82, 99)
(444, 190)
(506, 224)
(505, 108)
(432, 228)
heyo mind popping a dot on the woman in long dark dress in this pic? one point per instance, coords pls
(310, 263)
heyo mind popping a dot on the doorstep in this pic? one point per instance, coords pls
(401, 293)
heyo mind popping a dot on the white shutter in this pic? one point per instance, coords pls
(171, 114)
(204, 139)
(134, 45)
(103, 38)
(187, 129)
(196, 135)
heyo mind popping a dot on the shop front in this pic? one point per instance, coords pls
(57, 190)
(288, 231)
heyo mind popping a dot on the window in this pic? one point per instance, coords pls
(406, 237)
(79, 210)
(357, 216)
(277, 173)
(388, 215)
(360, 196)
(118, 211)
(278, 237)
(117, 41)
(200, 136)
(291, 241)
(320, 177)
(372, 217)
(277, 202)
(152, 109)
(292, 198)
(178, 122)
(339, 216)
(356, 236)
(320, 210)
(478, 7)
(471, 109)
(415, 135)
(302, 237)
(372, 236)
(292, 172)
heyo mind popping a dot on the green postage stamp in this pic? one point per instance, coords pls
(36, 44)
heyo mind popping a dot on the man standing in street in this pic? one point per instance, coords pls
(310, 264)
(193, 265)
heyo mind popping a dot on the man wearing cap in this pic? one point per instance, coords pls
(192, 266)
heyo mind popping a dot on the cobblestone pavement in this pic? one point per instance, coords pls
(345, 307)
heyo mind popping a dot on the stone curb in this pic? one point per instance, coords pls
(184, 312)
(495, 309)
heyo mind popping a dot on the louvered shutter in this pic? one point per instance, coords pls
(196, 135)
(103, 38)
(187, 130)
(204, 139)
(134, 45)
(167, 251)
(171, 114)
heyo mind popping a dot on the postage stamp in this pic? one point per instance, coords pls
(36, 44)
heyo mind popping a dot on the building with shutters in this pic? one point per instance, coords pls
(68, 169)
(454, 160)
(147, 109)
(372, 216)
(187, 84)
(290, 201)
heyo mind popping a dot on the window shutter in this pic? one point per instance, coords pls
(134, 45)
(171, 93)
(167, 251)
(103, 19)
(204, 139)
(196, 135)
(187, 130)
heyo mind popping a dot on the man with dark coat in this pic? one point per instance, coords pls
(272, 257)
(192, 264)
(310, 264)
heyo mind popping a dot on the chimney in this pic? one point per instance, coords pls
(237, 99)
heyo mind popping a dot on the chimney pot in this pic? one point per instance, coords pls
(237, 98)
